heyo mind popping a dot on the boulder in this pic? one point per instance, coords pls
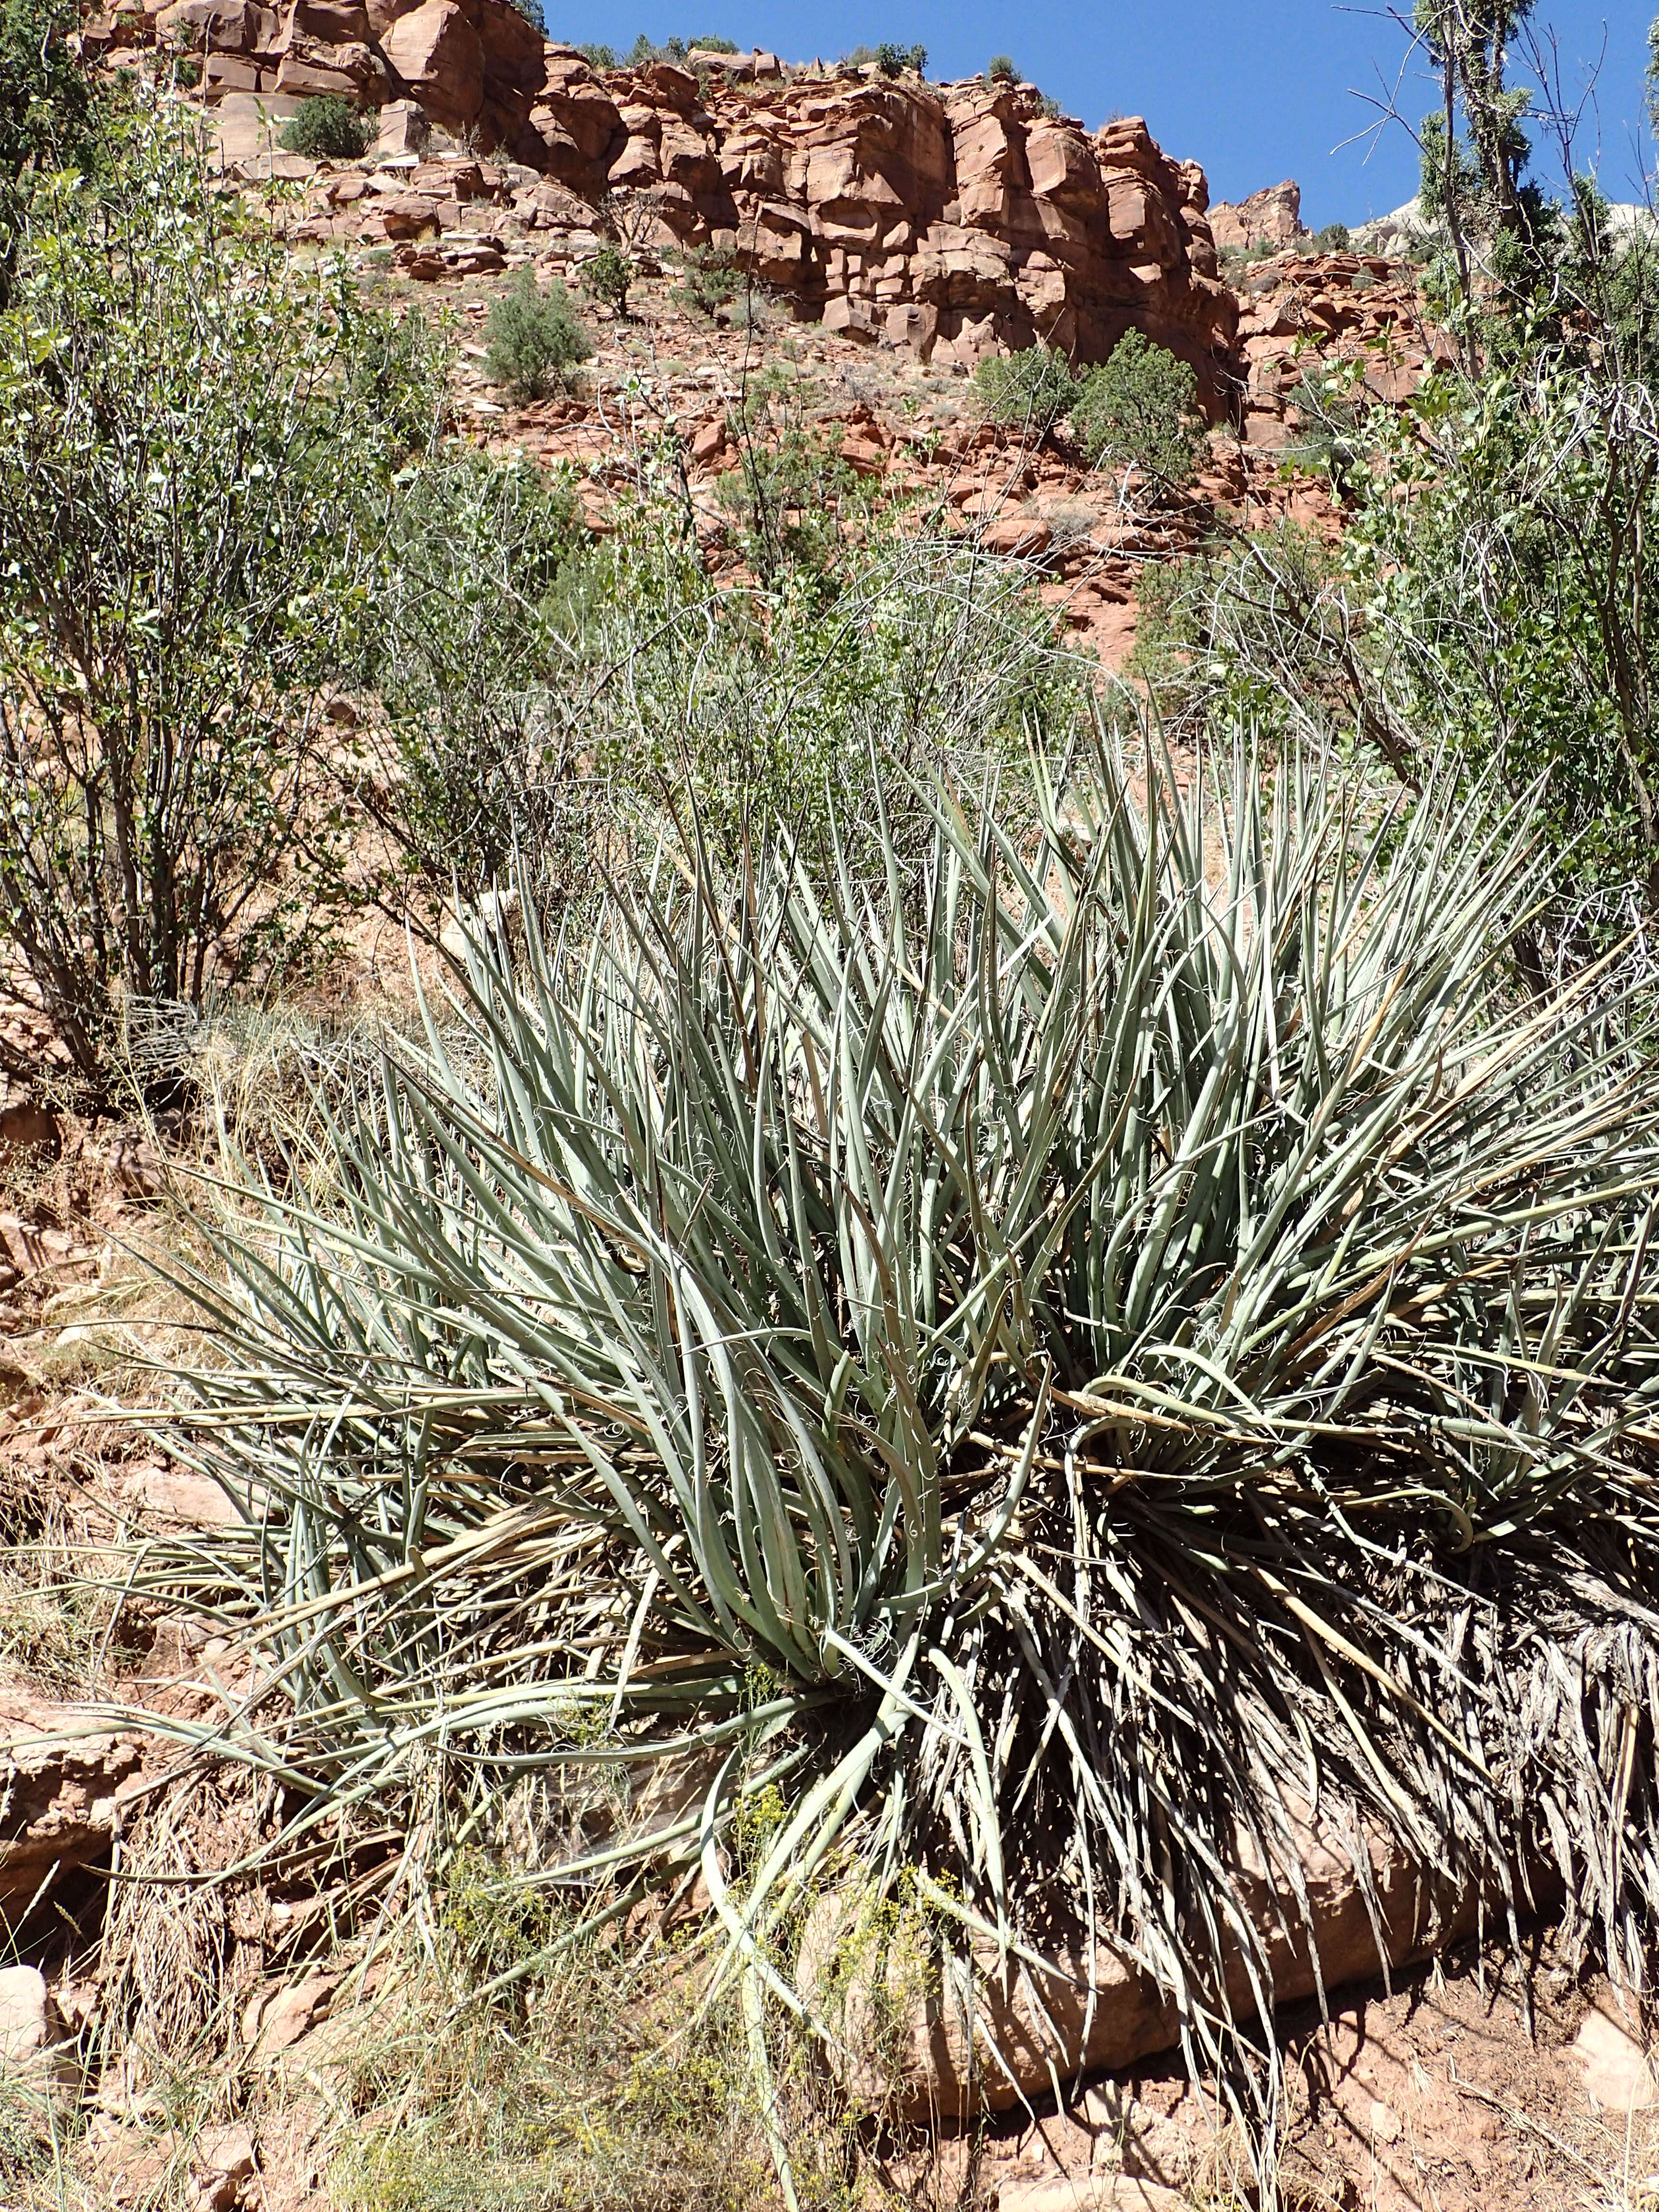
(439, 56)
(275, 2017)
(238, 27)
(914, 2033)
(310, 69)
(25, 2023)
(405, 128)
(221, 2161)
(61, 1785)
(330, 22)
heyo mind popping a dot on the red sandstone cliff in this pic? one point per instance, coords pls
(954, 219)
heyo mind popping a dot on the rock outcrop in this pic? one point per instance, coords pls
(61, 1783)
(955, 219)
(1271, 217)
(474, 65)
(1343, 307)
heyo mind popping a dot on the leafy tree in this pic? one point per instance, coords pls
(49, 118)
(1333, 238)
(1001, 70)
(1139, 409)
(328, 128)
(1030, 390)
(1499, 555)
(791, 493)
(893, 60)
(195, 473)
(1475, 152)
(608, 276)
(535, 340)
(710, 278)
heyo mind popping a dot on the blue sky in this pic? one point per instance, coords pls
(1255, 89)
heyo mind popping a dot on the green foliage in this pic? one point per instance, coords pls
(49, 118)
(1333, 238)
(776, 705)
(533, 13)
(47, 115)
(608, 276)
(644, 51)
(328, 128)
(791, 495)
(794, 1265)
(711, 277)
(1497, 554)
(893, 60)
(1031, 390)
(1248, 633)
(1001, 70)
(535, 340)
(1475, 152)
(189, 549)
(1139, 409)
(1491, 601)
(467, 767)
(599, 56)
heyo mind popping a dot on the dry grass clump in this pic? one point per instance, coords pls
(607, 2087)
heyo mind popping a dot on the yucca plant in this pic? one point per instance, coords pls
(1040, 1365)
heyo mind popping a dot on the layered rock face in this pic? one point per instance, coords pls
(1271, 217)
(474, 65)
(955, 219)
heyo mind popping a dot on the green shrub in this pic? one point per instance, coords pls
(535, 340)
(1001, 70)
(607, 277)
(1030, 390)
(47, 112)
(1139, 409)
(791, 494)
(469, 761)
(645, 50)
(49, 115)
(191, 542)
(597, 57)
(1333, 238)
(328, 128)
(894, 61)
(533, 13)
(711, 277)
